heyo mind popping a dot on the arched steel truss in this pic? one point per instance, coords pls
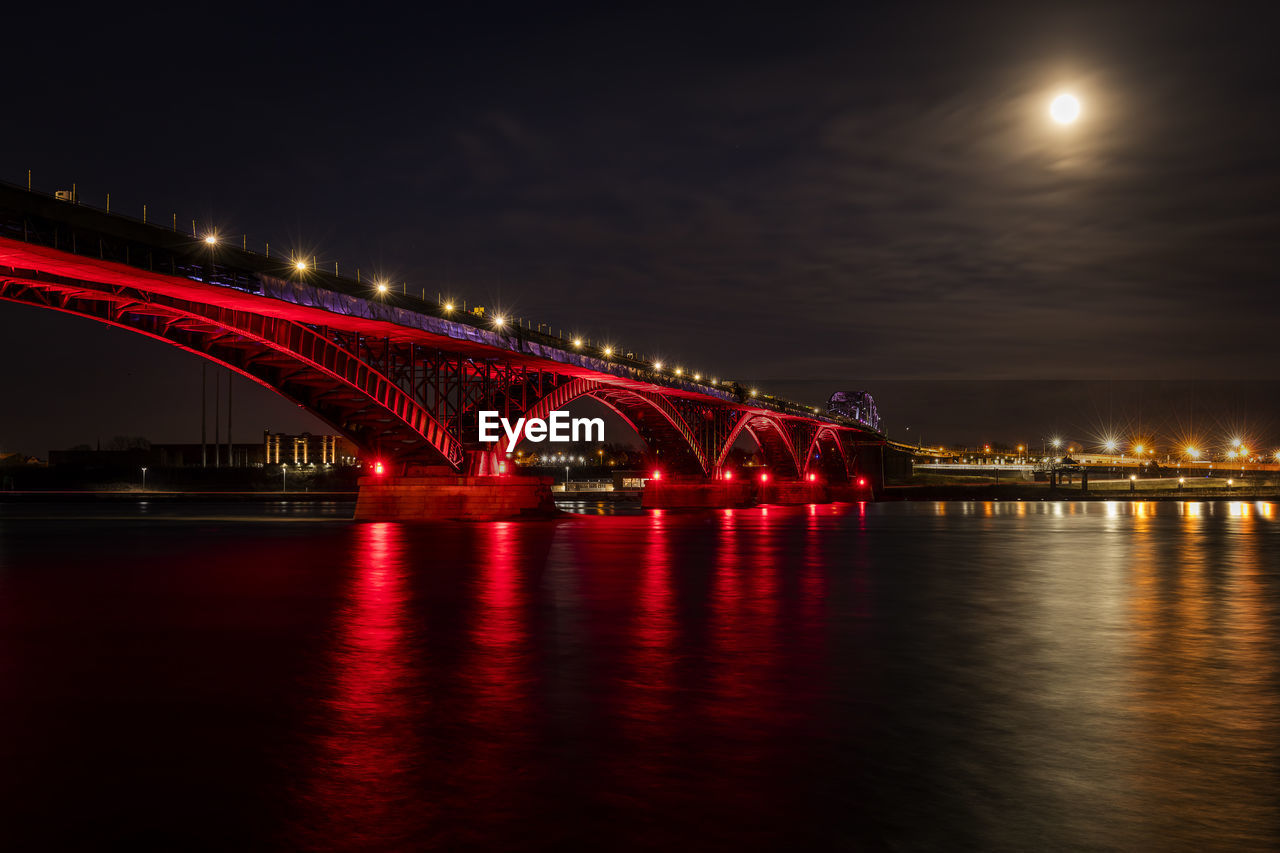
(412, 402)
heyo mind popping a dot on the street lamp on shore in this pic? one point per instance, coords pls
(144, 478)
(284, 477)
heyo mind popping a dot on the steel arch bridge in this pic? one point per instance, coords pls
(402, 378)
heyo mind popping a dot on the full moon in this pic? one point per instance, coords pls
(1064, 109)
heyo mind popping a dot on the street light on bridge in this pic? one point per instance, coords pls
(211, 239)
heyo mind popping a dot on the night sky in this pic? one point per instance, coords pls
(855, 197)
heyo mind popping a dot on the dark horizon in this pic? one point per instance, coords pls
(841, 198)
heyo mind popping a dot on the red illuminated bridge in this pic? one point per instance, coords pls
(405, 379)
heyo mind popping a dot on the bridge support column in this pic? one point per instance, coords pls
(697, 494)
(870, 463)
(449, 496)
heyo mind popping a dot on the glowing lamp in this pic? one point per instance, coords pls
(764, 478)
(377, 468)
(382, 288)
(862, 481)
(657, 365)
(448, 307)
(211, 239)
(499, 321)
(728, 475)
(301, 266)
(577, 343)
(813, 477)
(608, 351)
(657, 475)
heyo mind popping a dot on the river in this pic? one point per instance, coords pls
(996, 676)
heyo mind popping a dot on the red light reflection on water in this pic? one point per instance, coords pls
(363, 770)
(648, 705)
(499, 633)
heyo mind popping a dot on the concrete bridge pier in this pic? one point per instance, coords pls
(851, 492)
(697, 494)
(794, 492)
(486, 492)
(871, 463)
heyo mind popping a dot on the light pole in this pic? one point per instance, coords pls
(284, 476)
(566, 478)
(144, 478)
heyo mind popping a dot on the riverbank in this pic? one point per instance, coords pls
(86, 495)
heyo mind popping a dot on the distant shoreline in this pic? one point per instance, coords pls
(991, 492)
(892, 494)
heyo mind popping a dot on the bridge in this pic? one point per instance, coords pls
(405, 378)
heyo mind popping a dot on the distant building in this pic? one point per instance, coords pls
(274, 449)
(279, 448)
(856, 406)
(18, 459)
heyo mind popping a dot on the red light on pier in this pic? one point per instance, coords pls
(377, 468)
(862, 481)
(764, 478)
(728, 475)
(657, 475)
(813, 478)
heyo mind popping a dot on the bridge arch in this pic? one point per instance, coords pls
(771, 436)
(651, 416)
(826, 446)
(289, 358)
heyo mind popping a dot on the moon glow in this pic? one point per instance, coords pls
(1064, 109)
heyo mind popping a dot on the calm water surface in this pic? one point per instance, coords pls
(1006, 676)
